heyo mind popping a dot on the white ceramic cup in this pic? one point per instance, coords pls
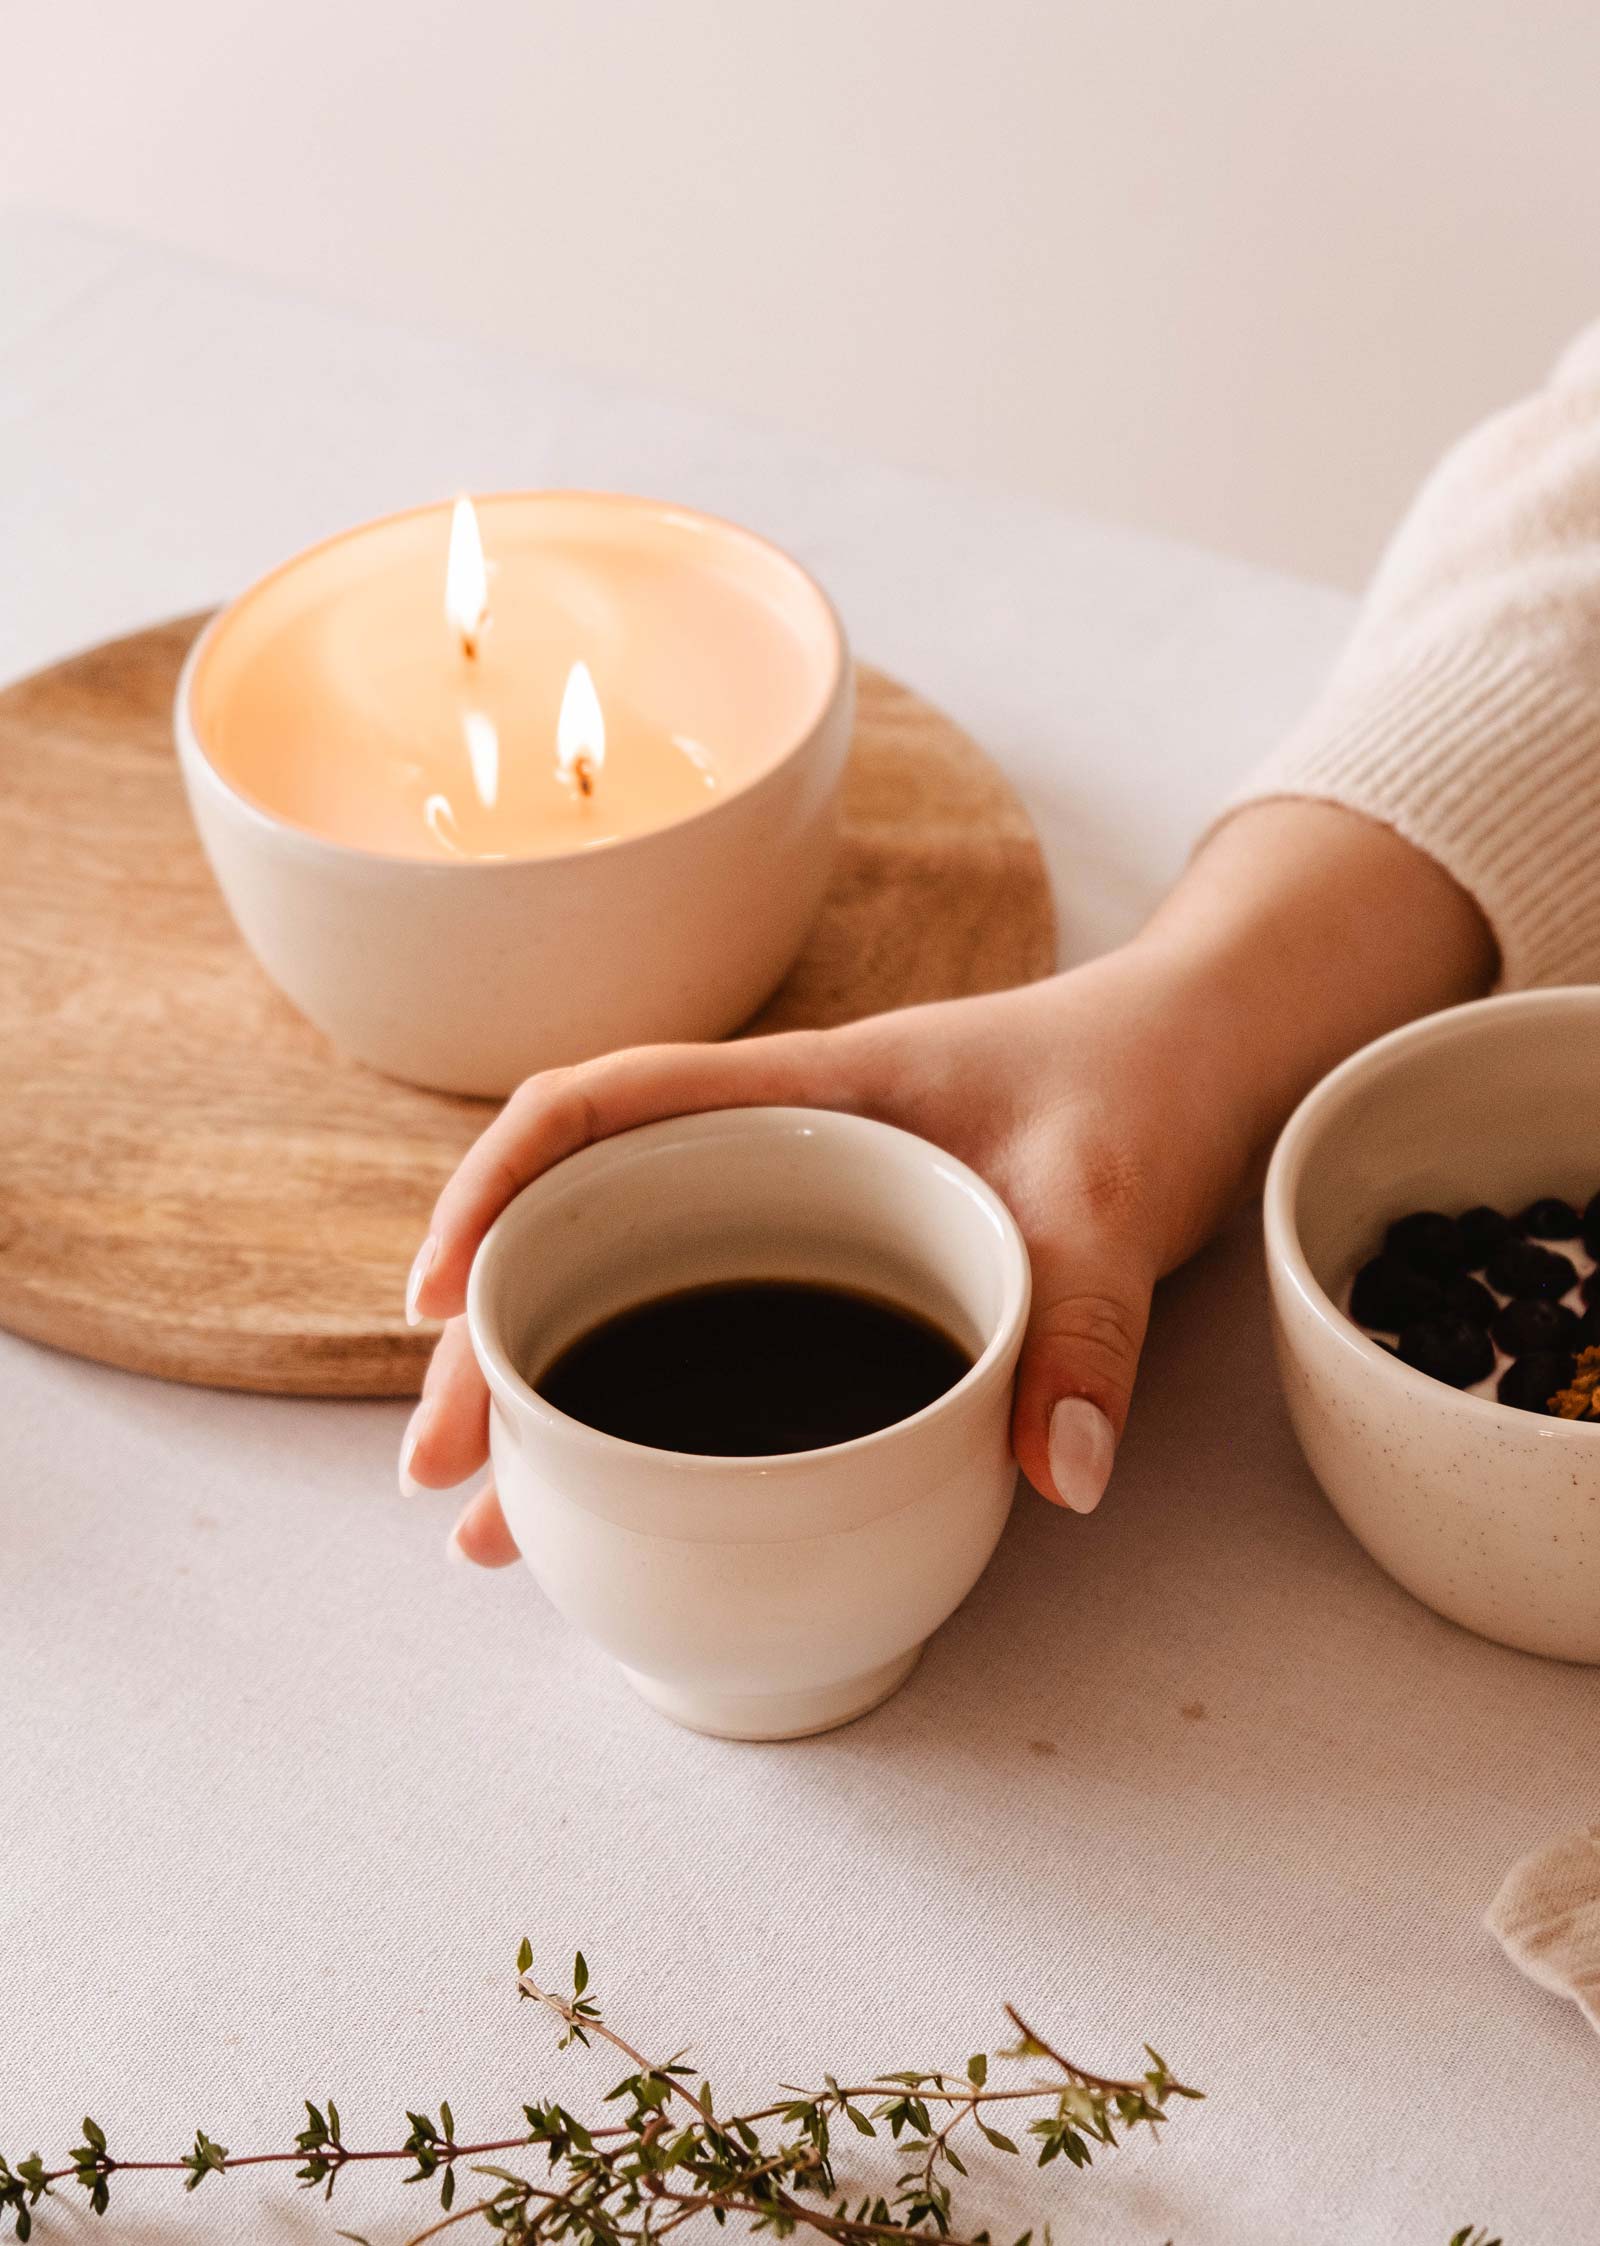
(1489, 1515)
(765, 1597)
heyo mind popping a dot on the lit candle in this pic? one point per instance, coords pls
(537, 682)
(402, 689)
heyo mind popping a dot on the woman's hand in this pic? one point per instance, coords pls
(1061, 1095)
(1118, 1110)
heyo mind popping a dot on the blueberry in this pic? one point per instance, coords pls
(1428, 1242)
(1471, 1299)
(1591, 1226)
(1522, 1269)
(1549, 1220)
(1483, 1232)
(1535, 1324)
(1588, 1335)
(1451, 1349)
(1388, 1294)
(1591, 1288)
(1529, 1384)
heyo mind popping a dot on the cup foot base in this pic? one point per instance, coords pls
(775, 1715)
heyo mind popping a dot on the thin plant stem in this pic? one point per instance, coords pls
(633, 2182)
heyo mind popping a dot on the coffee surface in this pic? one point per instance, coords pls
(753, 1369)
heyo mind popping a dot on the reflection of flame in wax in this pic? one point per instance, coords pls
(483, 754)
(580, 732)
(699, 756)
(466, 579)
(441, 823)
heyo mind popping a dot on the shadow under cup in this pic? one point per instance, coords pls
(763, 1597)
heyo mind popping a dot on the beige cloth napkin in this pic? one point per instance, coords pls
(1547, 1917)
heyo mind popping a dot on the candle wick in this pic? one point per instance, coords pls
(469, 646)
(583, 773)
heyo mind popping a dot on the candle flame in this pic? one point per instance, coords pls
(466, 579)
(580, 731)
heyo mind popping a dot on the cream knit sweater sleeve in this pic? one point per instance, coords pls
(1465, 712)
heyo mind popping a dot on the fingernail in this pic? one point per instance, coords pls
(1082, 1448)
(409, 1485)
(453, 1551)
(422, 1264)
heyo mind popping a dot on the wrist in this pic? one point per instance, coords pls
(1202, 1103)
(1300, 932)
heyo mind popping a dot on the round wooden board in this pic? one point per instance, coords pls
(192, 1183)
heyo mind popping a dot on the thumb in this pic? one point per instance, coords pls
(1091, 1304)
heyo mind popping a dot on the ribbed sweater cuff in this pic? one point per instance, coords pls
(1488, 759)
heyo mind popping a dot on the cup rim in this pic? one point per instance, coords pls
(1298, 1142)
(518, 1394)
(326, 850)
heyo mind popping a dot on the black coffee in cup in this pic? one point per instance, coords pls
(753, 1368)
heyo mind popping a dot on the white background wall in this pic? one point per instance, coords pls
(1233, 268)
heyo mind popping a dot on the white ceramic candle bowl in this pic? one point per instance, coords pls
(467, 974)
(756, 1598)
(1489, 1515)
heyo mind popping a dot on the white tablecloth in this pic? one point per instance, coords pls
(282, 1790)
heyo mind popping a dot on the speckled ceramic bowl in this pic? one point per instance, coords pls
(1491, 1516)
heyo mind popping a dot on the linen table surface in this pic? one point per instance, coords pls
(283, 1790)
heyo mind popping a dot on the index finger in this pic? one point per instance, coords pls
(553, 1115)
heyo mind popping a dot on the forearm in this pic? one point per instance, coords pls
(1432, 824)
(1299, 932)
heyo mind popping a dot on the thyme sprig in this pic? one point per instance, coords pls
(668, 2154)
